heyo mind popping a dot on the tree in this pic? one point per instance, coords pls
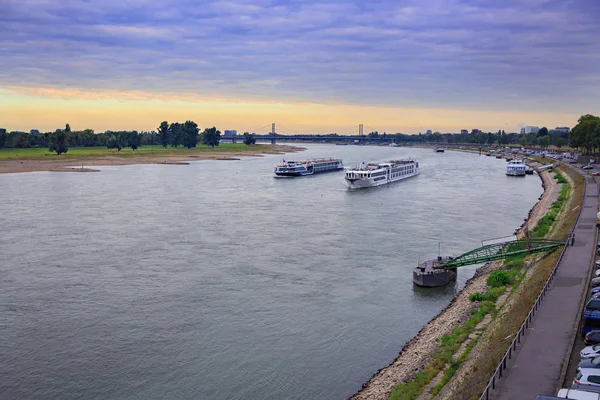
(163, 133)
(23, 141)
(560, 142)
(68, 128)
(114, 143)
(134, 140)
(2, 137)
(175, 134)
(542, 132)
(58, 142)
(190, 134)
(211, 137)
(543, 141)
(586, 134)
(249, 139)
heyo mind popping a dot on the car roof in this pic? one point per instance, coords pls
(589, 371)
(577, 394)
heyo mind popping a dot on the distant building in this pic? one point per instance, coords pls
(34, 132)
(475, 130)
(530, 129)
(428, 132)
(464, 132)
(229, 133)
(559, 129)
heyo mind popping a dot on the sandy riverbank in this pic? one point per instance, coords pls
(70, 164)
(417, 353)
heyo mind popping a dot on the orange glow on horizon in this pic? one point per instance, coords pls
(24, 108)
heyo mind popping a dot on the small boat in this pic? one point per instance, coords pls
(394, 145)
(309, 167)
(438, 150)
(528, 170)
(375, 174)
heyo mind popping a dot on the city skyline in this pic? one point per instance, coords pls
(312, 66)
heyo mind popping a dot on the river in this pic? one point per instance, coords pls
(215, 280)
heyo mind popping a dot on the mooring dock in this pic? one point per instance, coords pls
(442, 270)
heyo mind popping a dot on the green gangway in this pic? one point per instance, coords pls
(498, 251)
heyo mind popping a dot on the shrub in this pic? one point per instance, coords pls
(476, 296)
(498, 278)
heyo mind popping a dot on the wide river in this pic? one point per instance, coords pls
(217, 281)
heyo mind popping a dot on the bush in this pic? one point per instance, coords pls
(498, 278)
(476, 296)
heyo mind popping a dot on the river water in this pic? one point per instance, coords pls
(217, 281)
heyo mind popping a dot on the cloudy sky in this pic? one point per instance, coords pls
(309, 66)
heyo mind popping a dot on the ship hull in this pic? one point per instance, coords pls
(436, 278)
(371, 182)
(515, 173)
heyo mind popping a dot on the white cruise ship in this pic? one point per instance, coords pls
(515, 168)
(375, 174)
(310, 167)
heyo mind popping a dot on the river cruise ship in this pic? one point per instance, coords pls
(515, 168)
(376, 174)
(309, 167)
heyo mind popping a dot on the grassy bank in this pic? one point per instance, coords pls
(556, 224)
(145, 151)
(455, 348)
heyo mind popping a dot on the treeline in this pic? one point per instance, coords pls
(586, 134)
(175, 134)
(84, 138)
(543, 138)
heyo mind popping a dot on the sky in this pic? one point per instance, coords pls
(314, 66)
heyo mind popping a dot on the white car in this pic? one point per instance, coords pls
(577, 394)
(590, 352)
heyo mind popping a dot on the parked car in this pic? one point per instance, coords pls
(592, 337)
(589, 363)
(596, 295)
(595, 282)
(577, 394)
(587, 166)
(591, 352)
(595, 290)
(598, 263)
(587, 388)
(596, 173)
(587, 377)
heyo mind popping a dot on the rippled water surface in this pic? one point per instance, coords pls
(216, 281)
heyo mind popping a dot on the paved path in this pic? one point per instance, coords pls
(537, 365)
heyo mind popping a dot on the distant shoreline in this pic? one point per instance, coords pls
(76, 163)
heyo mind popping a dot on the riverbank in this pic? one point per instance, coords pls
(418, 352)
(79, 159)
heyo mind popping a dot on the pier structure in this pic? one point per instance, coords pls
(441, 271)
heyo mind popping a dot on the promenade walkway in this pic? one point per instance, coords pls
(537, 366)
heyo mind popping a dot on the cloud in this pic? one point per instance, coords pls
(529, 55)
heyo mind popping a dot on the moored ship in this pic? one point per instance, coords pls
(428, 273)
(309, 167)
(376, 174)
(515, 168)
